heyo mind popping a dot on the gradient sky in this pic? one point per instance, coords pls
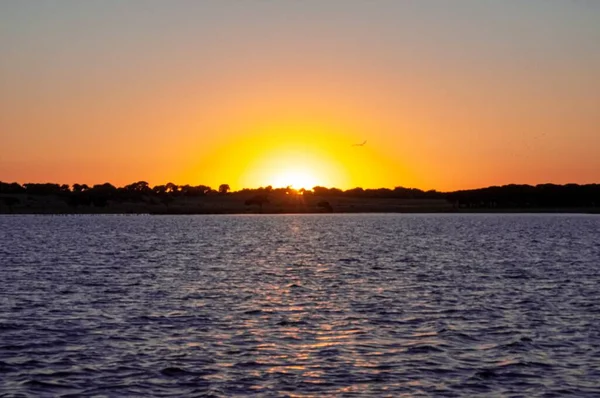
(448, 95)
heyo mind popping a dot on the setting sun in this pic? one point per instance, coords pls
(297, 179)
(300, 168)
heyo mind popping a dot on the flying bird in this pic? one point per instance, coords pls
(361, 144)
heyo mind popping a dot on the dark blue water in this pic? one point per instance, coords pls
(311, 305)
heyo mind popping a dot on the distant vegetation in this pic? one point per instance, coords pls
(171, 198)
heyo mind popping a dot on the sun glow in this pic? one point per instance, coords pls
(297, 169)
(296, 179)
(291, 151)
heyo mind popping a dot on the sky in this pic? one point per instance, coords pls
(448, 95)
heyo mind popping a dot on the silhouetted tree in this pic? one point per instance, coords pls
(160, 189)
(105, 188)
(139, 186)
(172, 188)
(320, 191)
(224, 188)
(11, 188)
(42, 189)
(200, 190)
(100, 194)
(204, 189)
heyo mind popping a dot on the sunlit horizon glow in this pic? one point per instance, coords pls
(264, 93)
(297, 179)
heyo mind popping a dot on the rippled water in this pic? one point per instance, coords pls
(309, 305)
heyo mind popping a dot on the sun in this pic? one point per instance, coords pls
(295, 178)
(300, 159)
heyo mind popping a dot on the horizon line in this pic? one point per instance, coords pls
(69, 187)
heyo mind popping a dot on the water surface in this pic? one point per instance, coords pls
(300, 305)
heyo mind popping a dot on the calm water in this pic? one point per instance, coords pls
(311, 305)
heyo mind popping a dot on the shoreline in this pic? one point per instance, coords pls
(284, 202)
(589, 211)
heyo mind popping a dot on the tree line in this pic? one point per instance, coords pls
(508, 196)
(99, 195)
(528, 196)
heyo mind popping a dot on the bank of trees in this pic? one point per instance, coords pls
(101, 194)
(508, 196)
(528, 196)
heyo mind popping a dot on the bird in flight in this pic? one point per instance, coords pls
(361, 144)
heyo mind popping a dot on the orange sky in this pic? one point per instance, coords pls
(260, 93)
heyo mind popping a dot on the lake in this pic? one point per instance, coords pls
(300, 305)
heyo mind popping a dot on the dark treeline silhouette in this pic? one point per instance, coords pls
(397, 193)
(99, 195)
(527, 196)
(541, 196)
